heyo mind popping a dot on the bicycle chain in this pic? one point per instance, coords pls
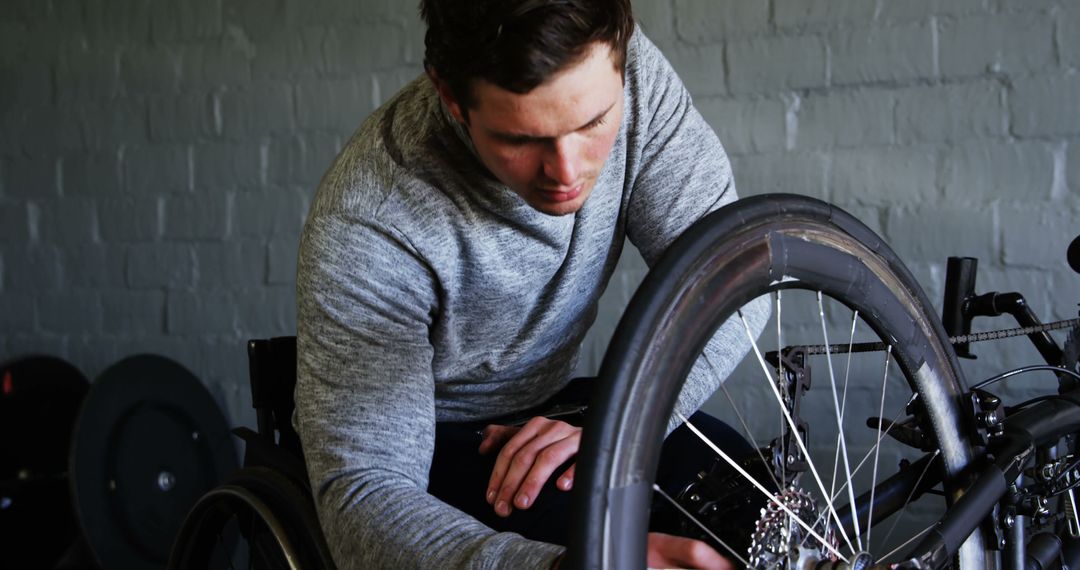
(818, 349)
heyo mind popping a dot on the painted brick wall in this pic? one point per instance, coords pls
(157, 158)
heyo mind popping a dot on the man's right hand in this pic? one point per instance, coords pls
(668, 551)
(528, 456)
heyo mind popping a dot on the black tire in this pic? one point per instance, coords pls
(267, 516)
(750, 248)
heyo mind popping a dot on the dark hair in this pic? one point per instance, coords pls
(518, 44)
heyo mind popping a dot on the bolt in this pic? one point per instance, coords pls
(790, 459)
(695, 498)
(166, 481)
(195, 435)
(1009, 521)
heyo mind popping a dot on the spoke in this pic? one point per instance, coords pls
(843, 404)
(847, 369)
(795, 432)
(877, 446)
(843, 393)
(907, 501)
(701, 526)
(869, 452)
(780, 379)
(839, 424)
(1074, 521)
(734, 465)
(750, 435)
(866, 457)
(907, 542)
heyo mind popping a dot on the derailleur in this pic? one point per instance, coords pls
(725, 503)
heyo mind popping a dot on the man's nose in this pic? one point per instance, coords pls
(562, 163)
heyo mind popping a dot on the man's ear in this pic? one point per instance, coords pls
(447, 96)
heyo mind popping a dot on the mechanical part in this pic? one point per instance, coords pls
(135, 468)
(816, 349)
(961, 305)
(1043, 552)
(724, 502)
(960, 273)
(1070, 359)
(753, 247)
(779, 542)
(989, 415)
(795, 383)
(906, 432)
(39, 401)
(1072, 254)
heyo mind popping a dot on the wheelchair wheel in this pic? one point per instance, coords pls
(867, 430)
(258, 518)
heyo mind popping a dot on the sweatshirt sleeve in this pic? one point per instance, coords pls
(365, 406)
(684, 174)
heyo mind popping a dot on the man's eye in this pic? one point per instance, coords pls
(599, 121)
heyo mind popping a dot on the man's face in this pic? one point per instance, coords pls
(549, 145)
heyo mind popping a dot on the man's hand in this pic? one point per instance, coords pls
(529, 455)
(667, 551)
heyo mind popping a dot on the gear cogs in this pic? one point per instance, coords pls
(779, 541)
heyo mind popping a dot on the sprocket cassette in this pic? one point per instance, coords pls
(779, 541)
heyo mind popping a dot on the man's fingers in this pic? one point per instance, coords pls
(566, 480)
(526, 449)
(526, 478)
(537, 430)
(667, 551)
(509, 449)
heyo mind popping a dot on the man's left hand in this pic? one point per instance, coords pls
(529, 455)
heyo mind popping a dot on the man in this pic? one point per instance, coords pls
(452, 262)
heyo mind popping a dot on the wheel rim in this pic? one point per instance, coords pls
(686, 298)
(223, 516)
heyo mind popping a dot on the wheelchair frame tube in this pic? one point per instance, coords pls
(1038, 424)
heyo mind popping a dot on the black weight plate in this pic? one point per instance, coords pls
(39, 400)
(149, 442)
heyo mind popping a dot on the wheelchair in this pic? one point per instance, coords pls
(263, 515)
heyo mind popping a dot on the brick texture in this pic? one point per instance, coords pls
(157, 158)
(951, 112)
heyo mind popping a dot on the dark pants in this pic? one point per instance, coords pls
(459, 475)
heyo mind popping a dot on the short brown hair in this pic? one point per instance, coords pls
(518, 44)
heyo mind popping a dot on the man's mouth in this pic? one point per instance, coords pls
(564, 194)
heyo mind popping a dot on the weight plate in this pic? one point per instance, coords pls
(150, 440)
(39, 400)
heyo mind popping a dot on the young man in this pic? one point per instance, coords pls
(453, 260)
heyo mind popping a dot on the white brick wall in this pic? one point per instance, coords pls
(157, 158)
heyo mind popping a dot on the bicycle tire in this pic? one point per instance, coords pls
(283, 515)
(749, 248)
